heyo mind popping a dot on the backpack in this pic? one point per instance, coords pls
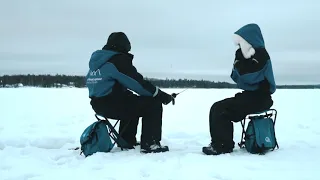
(260, 136)
(96, 138)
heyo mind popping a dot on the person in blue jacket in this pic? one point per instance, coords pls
(253, 74)
(111, 80)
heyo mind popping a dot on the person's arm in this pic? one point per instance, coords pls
(129, 77)
(250, 71)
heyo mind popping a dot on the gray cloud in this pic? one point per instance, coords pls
(169, 38)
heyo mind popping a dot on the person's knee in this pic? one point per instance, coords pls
(269, 104)
(153, 104)
(213, 112)
(214, 107)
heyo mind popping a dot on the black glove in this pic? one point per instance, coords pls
(165, 98)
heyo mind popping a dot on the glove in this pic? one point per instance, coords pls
(165, 98)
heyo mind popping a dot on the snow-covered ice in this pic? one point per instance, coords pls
(38, 126)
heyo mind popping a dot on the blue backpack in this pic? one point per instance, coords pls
(96, 138)
(260, 136)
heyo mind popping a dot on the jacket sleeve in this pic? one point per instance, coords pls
(250, 71)
(129, 77)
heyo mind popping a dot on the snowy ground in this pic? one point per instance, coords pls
(38, 126)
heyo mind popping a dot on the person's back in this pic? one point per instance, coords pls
(99, 78)
(112, 73)
(109, 80)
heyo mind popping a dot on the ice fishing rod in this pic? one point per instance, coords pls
(176, 94)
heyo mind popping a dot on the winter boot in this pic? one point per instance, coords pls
(154, 147)
(214, 149)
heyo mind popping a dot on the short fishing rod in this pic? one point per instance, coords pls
(176, 94)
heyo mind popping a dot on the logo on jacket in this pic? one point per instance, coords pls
(95, 73)
(94, 77)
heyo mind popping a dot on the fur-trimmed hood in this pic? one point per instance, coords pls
(248, 38)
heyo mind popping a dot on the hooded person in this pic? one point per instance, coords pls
(253, 74)
(111, 79)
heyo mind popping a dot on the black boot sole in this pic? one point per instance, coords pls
(214, 153)
(159, 150)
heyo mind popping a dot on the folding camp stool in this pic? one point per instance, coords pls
(114, 134)
(269, 113)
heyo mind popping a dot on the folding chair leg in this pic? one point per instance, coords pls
(116, 136)
(241, 143)
(118, 139)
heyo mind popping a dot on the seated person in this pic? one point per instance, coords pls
(111, 74)
(252, 72)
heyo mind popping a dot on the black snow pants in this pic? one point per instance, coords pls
(234, 109)
(128, 110)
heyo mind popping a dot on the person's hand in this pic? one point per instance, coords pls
(166, 98)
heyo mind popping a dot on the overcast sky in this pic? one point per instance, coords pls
(170, 38)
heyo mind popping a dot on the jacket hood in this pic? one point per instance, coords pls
(249, 37)
(100, 57)
(252, 34)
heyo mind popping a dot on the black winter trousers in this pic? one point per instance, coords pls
(128, 110)
(234, 109)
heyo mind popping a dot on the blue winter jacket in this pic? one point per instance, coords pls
(253, 74)
(111, 74)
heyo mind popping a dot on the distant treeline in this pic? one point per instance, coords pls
(79, 81)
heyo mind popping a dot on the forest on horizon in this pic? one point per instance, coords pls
(58, 80)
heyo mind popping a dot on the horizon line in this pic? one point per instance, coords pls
(156, 78)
